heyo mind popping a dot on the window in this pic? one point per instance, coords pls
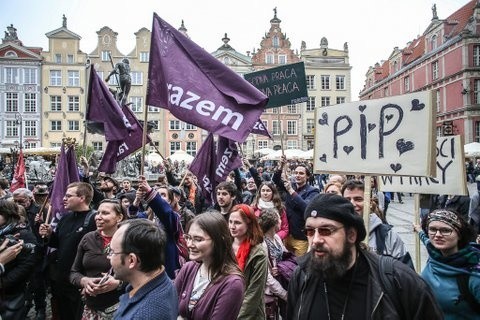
(310, 126)
(55, 144)
(30, 102)
(73, 125)
(30, 145)
(58, 58)
(310, 79)
(292, 144)
(292, 108)
(153, 109)
(189, 126)
(137, 103)
(73, 103)
(137, 78)
(70, 59)
(325, 101)
(113, 80)
(226, 60)
(73, 78)
(106, 55)
(192, 148)
(56, 125)
(97, 146)
(11, 75)
(55, 77)
(144, 56)
(435, 70)
(11, 129)
(291, 127)
(262, 144)
(311, 104)
(275, 42)
(11, 102)
(434, 42)
(156, 124)
(282, 59)
(276, 127)
(325, 79)
(174, 146)
(29, 76)
(385, 92)
(269, 58)
(340, 100)
(30, 128)
(437, 94)
(476, 91)
(56, 103)
(174, 124)
(406, 84)
(275, 110)
(395, 66)
(476, 55)
(340, 82)
(477, 131)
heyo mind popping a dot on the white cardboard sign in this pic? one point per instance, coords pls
(450, 178)
(389, 136)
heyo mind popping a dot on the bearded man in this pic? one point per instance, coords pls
(339, 279)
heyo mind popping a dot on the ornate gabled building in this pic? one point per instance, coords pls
(20, 92)
(444, 59)
(64, 80)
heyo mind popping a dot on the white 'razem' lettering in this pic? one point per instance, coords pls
(227, 154)
(192, 101)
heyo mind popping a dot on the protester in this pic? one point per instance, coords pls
(339, 279)
(453, 270)
(136, 254)
(333, 187)
(226, 198)
(251, 258)
(90, 270)
(126, 188)
(211, 285)
(268, 197)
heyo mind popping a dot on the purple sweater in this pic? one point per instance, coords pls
(221, 300)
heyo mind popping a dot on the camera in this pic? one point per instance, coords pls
(28, 247)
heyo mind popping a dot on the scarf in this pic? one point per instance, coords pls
(242, 254)
(265, 204)
(467, 258)
(191, 194)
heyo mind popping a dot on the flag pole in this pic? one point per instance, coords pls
(87, 96)
(144, 141)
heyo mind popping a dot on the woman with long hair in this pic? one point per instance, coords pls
(453, 267)
(209, 286)
(268, 197)
(252, 259)
(91, 270)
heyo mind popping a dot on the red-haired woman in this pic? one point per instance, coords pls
(251, 258)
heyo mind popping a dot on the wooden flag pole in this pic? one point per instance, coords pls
(366, 205)
(416, 210)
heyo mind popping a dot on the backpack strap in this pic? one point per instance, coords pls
(380, 235)
(88, 217)
(465, 294)
(389, 283)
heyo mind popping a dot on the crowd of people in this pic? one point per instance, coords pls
(278, 243)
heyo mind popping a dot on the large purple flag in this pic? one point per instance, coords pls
(197, 88)
(67, 172)
(259, 128)
(104, 110)
(227, 158)
(203, 166)
(119, 149)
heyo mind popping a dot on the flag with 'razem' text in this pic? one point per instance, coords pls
(203, 166)
(227, 158)
(197, 88)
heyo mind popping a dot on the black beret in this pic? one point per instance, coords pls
(337, 208)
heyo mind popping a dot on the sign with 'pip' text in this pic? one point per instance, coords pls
(388, 136)
(282, 85)
(450, 177)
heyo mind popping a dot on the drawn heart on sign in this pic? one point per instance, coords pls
(347, 149)
(404, 146)
(416, 105)
(362, 108)
(323, 158)
(371, 126)
(389, 117)
(324, 120)
(396, 167)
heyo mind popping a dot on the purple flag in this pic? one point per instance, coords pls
(227, 158)
(67, 172)
(119, 149)
(203, 166)
(104, 111)
(259, 128)
(197, 88)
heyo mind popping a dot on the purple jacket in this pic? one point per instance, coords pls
(221, 300)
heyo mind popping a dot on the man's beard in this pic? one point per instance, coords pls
(330, 266)
(106, 188)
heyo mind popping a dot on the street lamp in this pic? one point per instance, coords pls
(19, 122)
(14, 152)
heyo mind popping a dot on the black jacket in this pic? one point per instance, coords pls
(415, 294)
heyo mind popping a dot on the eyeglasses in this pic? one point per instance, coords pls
(322, 231)
(68, 196)
(110, 253)
(443, 231)
(195, 240)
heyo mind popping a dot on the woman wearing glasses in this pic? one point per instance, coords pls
(91, 269)
(211, 285)
(453, 269)
(252, 259)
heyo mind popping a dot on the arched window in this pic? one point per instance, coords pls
(434, 42)
(276, 42)
(11, 54)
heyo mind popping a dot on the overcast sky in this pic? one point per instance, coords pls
(372, 28)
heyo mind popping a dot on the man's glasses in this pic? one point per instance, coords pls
(110, 253)
(195, 239)
(322, 231)
(443, 231)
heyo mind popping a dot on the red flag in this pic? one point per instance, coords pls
(18, 180)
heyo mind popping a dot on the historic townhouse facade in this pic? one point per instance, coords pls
(444, 59)
(20, 93)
